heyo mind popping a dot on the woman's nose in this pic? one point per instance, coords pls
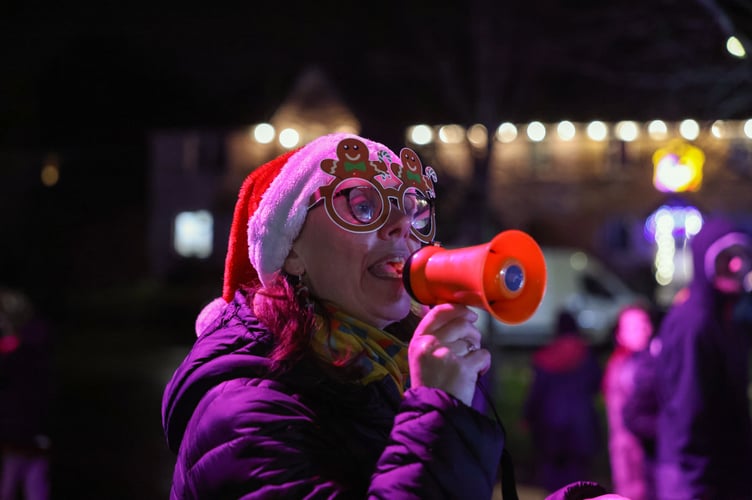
(397, 225)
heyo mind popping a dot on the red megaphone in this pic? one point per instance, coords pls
(506, 276)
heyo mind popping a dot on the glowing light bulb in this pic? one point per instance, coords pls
(536, 131)
(421, 134)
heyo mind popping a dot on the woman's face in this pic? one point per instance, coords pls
(635, 329)
(359, 272)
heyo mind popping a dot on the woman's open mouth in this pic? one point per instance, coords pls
(390, 267)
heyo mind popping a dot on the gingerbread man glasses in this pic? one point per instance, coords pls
(361, 195)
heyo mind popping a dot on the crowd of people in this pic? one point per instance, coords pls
(689, 404)
(675, 389)
(317, 375)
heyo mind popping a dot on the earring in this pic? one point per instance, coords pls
(302, 292)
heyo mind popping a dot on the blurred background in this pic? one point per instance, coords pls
(606, 130)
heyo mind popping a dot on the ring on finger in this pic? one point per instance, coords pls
(471, 347)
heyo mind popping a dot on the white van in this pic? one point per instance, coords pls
(576, 282)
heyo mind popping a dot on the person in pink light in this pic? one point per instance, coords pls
(629, 470)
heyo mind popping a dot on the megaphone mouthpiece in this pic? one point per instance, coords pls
(506, 276)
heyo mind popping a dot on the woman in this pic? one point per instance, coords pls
(630, 471)
(315, 375)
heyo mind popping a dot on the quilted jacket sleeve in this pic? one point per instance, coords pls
(247, 440)
(438, 448)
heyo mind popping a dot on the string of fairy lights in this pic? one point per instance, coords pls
(565, 130)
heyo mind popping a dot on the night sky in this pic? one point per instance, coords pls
(100, 71)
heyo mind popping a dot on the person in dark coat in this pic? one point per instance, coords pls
(25, 399)
(560, 408)
(640, 410)
(695, 392)
(315, 375)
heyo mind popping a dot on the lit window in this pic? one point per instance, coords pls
(193, 234)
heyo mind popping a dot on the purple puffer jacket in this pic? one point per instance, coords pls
(239, 433)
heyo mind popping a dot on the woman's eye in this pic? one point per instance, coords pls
(415, 205)
(419, 209)
(362, 205)
(422, 220)
(409, 203)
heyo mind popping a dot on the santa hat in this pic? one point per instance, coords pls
(271, 209)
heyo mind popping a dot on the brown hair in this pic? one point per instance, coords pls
(292, 321)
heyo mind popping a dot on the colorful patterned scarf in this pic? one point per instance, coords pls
(366, 352)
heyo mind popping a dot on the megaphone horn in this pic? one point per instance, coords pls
(506, 276)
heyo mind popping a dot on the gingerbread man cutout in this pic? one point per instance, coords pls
(352, 161)
(412, 173)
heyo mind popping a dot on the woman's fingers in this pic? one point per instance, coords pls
(446, 351)
(466, 346)
(451, 322)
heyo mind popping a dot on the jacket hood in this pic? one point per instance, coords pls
(232, 344)
(712, 230)
(564, 354)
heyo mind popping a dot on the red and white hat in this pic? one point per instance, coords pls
(272, 206)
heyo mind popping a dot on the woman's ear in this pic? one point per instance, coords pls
(293, 264)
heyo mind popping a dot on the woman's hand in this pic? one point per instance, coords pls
(445, 352)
